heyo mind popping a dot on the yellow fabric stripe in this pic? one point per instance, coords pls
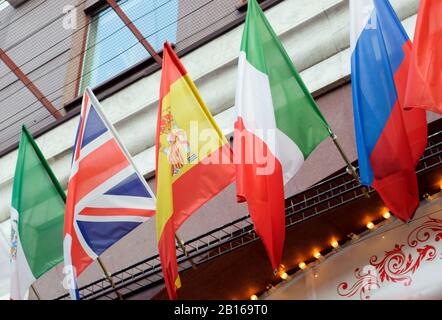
(184, 115)
(178, 282)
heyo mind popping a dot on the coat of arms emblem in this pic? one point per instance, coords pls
(14, 239)
(177, 148)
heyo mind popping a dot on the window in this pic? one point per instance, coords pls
(3, 4)
(112, 48)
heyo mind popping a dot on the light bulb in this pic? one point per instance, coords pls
(284, 276)
(302, 265)
(253, 297)
(387, 215)
(370, 226)
(335, 244)
(317, 254)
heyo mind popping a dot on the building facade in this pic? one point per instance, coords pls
(64, 46)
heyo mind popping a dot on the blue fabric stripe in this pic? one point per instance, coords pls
(101, 235)
(94, 127)
(76, 141)
(377, 57)
(131, 186)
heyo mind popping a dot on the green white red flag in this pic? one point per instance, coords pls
(37, 217)
(278, 125)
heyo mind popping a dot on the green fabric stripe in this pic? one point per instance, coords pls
(40, 202)
(296, 112)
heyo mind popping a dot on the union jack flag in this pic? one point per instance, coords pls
(107, 197)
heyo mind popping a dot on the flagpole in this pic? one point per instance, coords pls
(35, 292)
(183, 248)
(109, 278)
(352, 169)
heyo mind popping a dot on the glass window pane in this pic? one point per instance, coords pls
(112, 48)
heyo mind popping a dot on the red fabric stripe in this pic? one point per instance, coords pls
(264, 193)
(80, 259)
(415, 121)
(70, 205)
(425, 78)
(97, 167)
(97, 212)
(173, 70)
(167, 252)
(398, 151)
(205, 181)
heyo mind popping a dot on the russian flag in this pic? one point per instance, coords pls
(390, 141)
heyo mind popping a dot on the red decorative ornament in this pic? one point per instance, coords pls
(396, 266)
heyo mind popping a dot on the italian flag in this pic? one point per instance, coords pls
(278, 125)
(37, 215)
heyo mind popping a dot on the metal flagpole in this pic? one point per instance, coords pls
(35, 292)
(350, 168)
(109, 278)
(183, 248)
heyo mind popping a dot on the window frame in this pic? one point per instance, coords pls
(93, 12)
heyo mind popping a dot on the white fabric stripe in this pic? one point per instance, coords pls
(82, 241)
(254, 104)
(111, 201)
(112, 219)
(69, 281)
(21, 274)
(289, 155)
(102, 188)
(74, 167)
(360, 14)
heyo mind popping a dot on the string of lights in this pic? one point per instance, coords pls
(285, 274)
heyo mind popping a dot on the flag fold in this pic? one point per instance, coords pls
(390, 141)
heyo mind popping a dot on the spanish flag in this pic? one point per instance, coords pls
(193, 160)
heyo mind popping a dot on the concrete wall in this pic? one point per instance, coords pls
(316, 35)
